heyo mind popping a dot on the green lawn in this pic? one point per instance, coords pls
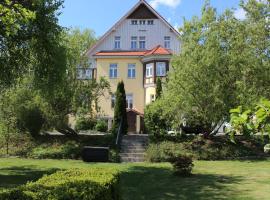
(211, 180)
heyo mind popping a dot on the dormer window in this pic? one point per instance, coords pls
(150, 22)
(117, 42)
(134, 22)
(142, 42)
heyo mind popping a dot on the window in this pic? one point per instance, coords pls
(142, 22)
(129, 101)
(113, 70)
(131, 70)
(161, 69)
(113, 101)
(117, 42)
(167, 42)
(152, 97)
(142, 42)
(85, 74)
(133, 42)
(134, 22)
(150, 22)
(149, 70)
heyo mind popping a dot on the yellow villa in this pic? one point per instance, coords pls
(137, 50)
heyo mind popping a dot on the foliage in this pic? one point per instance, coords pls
(220, 148)
(251, 121)
(120, 113)
(182, 164)
(69, 150)
(30, 42)
(82, 184)
(101, 126)
(85, 123)
(267, 148)
(224, 62)
(158, 88)
(240, 122)
(157, 122)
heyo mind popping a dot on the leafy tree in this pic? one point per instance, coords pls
(158, 88)
(120, 113)
(224, 62)
(30, 43)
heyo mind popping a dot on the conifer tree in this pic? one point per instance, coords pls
(158, 88)
(120, 112)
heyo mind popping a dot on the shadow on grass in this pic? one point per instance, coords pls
(146, 183)
(13, 176)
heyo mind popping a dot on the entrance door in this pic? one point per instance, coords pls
(131, 118)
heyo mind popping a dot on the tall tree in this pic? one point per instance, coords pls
(30, 43)
(223, 62)
(120, 112)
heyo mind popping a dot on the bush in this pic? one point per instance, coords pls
(216, 148)
(155, 123)
(85, 123)
(83, 184)
(182, 164)
(69, 150)
(101, 126)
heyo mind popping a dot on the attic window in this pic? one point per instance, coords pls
(134, 22)
(142, 22)
(150, 22)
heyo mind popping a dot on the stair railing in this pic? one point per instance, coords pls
(119, 134)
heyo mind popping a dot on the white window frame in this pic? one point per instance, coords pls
(131, 71)
(142, 42)
(113, 71)
(129, 101)
(149, 70)
(161, 69)
(117, 42)
(134, 42)
(167, 42)
(84, 73)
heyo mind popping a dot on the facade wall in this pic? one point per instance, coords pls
(132, 86)
(154, 36)
(148, 92)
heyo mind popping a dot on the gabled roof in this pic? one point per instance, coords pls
(137, 6)
(159, 50)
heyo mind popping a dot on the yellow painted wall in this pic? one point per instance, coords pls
(148, 92)
(132, 86)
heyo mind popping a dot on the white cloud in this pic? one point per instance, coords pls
(170, 3)
(240, 13)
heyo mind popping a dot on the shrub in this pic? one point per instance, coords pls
(155, 123)
(182, 164)
(217, 148)
(101, 126)
(69, 150)
(83, 184)
(85, 123)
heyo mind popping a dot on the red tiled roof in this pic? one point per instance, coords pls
(159, 50)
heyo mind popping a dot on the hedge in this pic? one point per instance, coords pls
(83, 184)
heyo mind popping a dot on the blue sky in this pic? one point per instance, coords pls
(100, 15)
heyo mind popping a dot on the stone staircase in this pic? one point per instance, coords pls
(133, 148)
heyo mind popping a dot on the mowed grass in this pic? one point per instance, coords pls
(211, 179)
